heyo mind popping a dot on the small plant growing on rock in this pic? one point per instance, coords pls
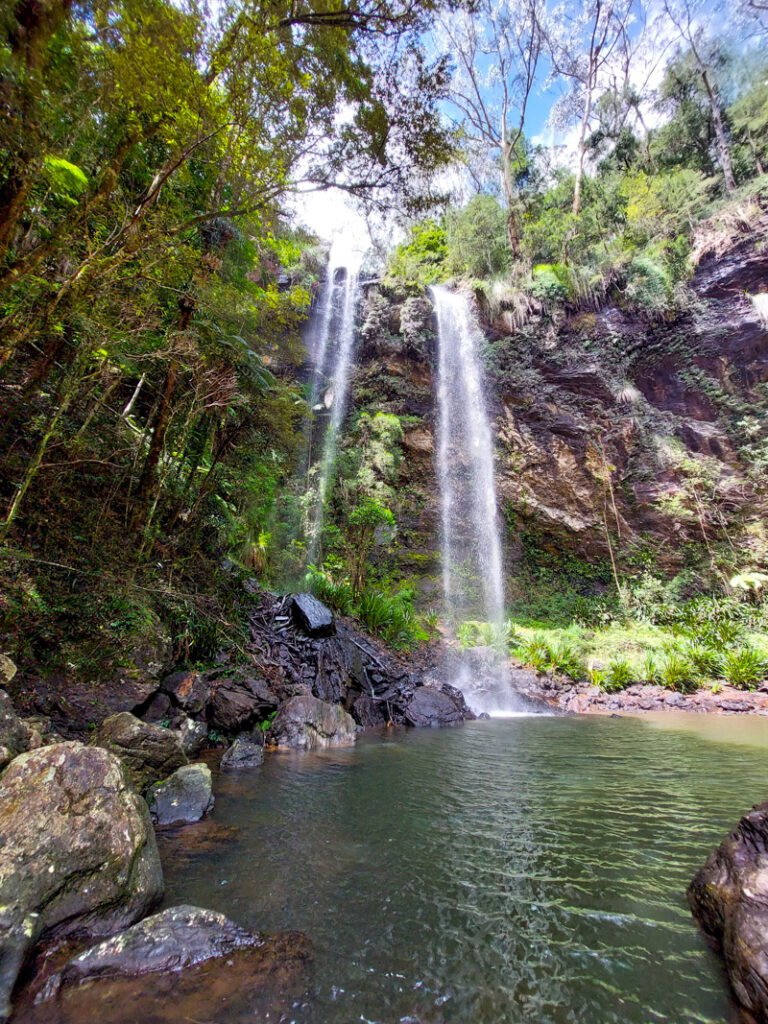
(618, 676)
(744, 668)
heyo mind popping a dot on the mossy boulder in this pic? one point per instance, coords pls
(149, 752)
(77, 852)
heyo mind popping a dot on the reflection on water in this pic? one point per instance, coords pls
(526, 870)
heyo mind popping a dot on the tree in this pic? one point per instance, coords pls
(588, 46)
(688, 18)
(140, 142)
(365, 521)
(497, 50)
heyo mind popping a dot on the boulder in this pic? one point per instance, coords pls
(311, 616)
(158, 709)
(188, 691)
(243, 753)
(7, 669)
(182, 797)
(430, 707)
(77, 852)
(729, 899)
(149, 752)
(193, 735)
(14, 734)
(171, 940)
(306, 723)
(239, 700)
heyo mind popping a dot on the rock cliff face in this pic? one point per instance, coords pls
(606, 420)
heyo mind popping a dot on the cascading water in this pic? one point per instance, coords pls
(470, 540)
(338, 373)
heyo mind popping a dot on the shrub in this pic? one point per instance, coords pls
(677, 672)
(650, 670)
(705, 659)
(337, 594)
(472, 633)
(391, 617)
(618, 676)
(744, 667)
(565, 658)
(534, 652)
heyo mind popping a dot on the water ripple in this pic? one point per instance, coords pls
(525, 871)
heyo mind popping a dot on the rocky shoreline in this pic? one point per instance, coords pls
(562, 694)
(80, 869)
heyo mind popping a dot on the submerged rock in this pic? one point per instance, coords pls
(307, 723)
(77, 852)
(183, 797)
(149, 752)
(431, 707)
(312, 616)
(172, 940)
(243, 753)
(729, 899)
(260, 981)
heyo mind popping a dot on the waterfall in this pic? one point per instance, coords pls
(470, 539)
(465, 459)
(338, 372)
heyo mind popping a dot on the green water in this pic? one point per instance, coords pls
(524, 870)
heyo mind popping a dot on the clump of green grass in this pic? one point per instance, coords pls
(677, 672)
(744, 668)
(618, 676)
(564, 657)
(534, 652)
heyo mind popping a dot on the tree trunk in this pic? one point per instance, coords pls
(722, 141)
(149, 472)
(513, 226)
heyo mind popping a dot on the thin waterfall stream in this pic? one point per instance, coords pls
(335, 363)
(470, 538)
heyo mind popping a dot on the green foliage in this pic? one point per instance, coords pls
(472, 633)
(336, 593)
(420, 260)
(534, 652)
(391, 616)
(562, 656)
(744, 667)
(477, 241)
(565, 658)
(677, 672)
(618, 675)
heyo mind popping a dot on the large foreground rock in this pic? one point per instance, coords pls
(175, 938)
(240, 700)
(432, 707)
(306, 723)
(77, 852)
(729, 899)
(149, 752)
(312, 616)
(183, 797)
